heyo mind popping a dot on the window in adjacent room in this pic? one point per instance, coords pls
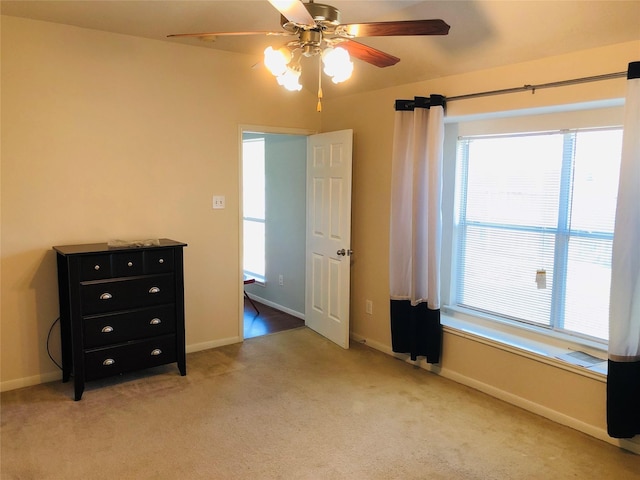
(534, 228)
(253, 188)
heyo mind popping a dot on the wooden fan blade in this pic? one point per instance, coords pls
(368, 54)
(294, 11)
(222, 34)
(388, 29)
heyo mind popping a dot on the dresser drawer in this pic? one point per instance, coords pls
(122, 264)
(127, 264)
(95, 267)
(103, 362)
(158, 260)
(103, 296)
(101, 330)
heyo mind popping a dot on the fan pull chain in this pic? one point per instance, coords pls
(319, 107)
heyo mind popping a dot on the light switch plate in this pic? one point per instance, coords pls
(218, 201)
(368, 307)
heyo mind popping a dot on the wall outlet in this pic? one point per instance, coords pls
(368, 307)
(218, 201)
(281, 280)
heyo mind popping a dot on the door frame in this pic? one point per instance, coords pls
(242, 129)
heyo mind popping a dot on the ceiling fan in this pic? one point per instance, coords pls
(318, 31)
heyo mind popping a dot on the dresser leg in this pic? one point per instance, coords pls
(79, 389)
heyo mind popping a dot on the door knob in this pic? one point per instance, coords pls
(344, 252)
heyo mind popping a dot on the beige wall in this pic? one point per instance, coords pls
(371, 117)
(569, 398)
(108, 136)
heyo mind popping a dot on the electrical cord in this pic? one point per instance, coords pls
(48, 337)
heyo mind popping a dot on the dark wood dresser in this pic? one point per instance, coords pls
(121, 309)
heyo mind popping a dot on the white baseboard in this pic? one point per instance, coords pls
(372, 343)
(530, 406)
(57, 375)
(197, 347)
(271, 304)
(30, 381)
(633, 445)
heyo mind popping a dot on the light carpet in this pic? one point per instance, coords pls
(289, 406)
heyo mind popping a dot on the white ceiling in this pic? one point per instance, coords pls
(484, 33)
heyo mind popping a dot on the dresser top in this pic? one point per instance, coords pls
(104, 247)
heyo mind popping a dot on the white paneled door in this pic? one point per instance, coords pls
(329, 234)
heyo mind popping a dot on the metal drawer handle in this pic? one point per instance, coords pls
(107, 329)
(157, 351)
(155, 321)
(161, 260)
(154, 290)
(130, 264)
(108, 361)
(97, 267)
(106, 296)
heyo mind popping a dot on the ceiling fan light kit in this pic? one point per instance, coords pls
(284, 64)
(320, 32)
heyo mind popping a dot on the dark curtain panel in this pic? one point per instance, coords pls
(416, 330)
(623, 399)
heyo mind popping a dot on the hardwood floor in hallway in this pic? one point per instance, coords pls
(269, 320)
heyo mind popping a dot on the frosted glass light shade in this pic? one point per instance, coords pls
(337, 64)
(276, 60)
(290, 80)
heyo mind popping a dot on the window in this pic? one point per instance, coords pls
(253, 191)
(534, 228)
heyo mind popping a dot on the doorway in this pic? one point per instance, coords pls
(322, 240)
(273, 224)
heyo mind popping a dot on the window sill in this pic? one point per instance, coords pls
(537, 346)
(257, 280)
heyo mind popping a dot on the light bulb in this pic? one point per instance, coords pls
(290, 80)
(337, 64)
(276, 60)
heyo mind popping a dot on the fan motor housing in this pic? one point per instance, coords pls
(324, 14)
(326, 17)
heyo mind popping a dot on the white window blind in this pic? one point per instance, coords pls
(254, 208)
(538, 207)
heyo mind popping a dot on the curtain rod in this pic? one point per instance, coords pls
(533, 88)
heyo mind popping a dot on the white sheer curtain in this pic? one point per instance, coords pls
(415, 227)
(623, 382)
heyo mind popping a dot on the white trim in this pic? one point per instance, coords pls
(197, 347)
(523, 330)
(632, 445)
(530, 406)
(540, 347)
(55, 376)
(30, 381)
(271, 304)
(248, 128)
(525, 112)
(381, 347)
